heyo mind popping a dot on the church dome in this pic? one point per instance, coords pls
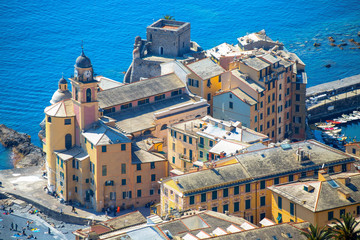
(60, 95)
(62, 81)
(83, 61)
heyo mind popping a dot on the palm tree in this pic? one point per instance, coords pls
(168, 17)
(346, 229)
(316, 233)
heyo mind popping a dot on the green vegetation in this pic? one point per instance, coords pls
(168, 17)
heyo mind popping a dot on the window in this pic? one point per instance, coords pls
(261, 116)
(331, 169)
(287, 115)
(214, 209)
(236, 206)
(273, 96)
(173, 160)
(67, 121)
(297, 86)
(287, 91)
(255, 118)
(139, 193)
(201, 154)
(273, 108)
(123, 182)
(354, 151)
(279, 119)
(163, 127)
(203, 197)
(138, 179)
(279, 218)
(262, 184)
(330, 215)
(247, 187)
(184, 138)
(209, 97)
(247, 203)
(255, 107)
(344, 167)
(280, 86)
(68, 141)
(297, 108)
(152, 165)
(262, 216)
(279, 97)
(261, 104)
(291, 178)
(226, 192)
(92, 146)
(230, 95)
(288, 78)
(192, 200)
(151, 191)
(303, 174)
(109, 183)
(208, 83)
(276, 181)
(262, 201)
(49, 119)
(292, 209)
(214, 195)
(142, 102)
(124, 106)
(88, 95)
(173, 146)
(211, 143)
(87, 180)
(138, 167)
(190, 155)
(269, 99)
(236, 190)
(358, 210)
(279, 202)
(103, 148)
(153, 177)
(297, 97)
(225, 207)
(123, 147)
(231, 105)
(268, 124)
(261, 128)
(76, 189)
(159, 97)
(279, 130)
(201, 142)
(123, 168)
(268, 111)
(104, 170)
(296, 130)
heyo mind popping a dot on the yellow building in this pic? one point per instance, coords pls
(317, 201)
(89, 161)
(241, 188)
(204, 79)
(204, 139)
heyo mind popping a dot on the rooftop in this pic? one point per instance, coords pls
(205, 68)
(75, 152)
(107, 83)
(251, 165)
(326, 194)
(139, 90)
(205, 223)
(243, 96)
(63, 108)
(101, 134)
(255, 63)
(171, 25)
(143, 117)
(140, 155)
(251, 83)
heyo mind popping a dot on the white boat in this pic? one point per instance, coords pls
(324, 125)
(340, 120)
(353, 116)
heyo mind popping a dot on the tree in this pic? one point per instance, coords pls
(168, 17)
(316, 233)
(346, 229)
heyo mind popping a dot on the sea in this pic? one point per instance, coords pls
(40, 41)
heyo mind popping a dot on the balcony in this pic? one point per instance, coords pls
(184, 158)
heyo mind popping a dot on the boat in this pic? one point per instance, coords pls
(336, 130)
(353, 116)
(340, 120)
(333, 122)
(341, 138)
(324, 125)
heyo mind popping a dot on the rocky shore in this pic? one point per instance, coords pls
(26, 154)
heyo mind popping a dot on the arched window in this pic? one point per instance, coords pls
(161, 50)
(163, 127)
(88, 95)
(76, 94)
(68, 141)
(197, 116)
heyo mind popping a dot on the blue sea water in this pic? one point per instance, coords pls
(40, 40)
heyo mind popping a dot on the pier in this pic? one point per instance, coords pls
(333, 98)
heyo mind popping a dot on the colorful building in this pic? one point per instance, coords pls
(204, 79)
(201, 140)
(241, 188)
(91, 161)
(317, 201)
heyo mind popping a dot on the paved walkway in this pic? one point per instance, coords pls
(28, 184)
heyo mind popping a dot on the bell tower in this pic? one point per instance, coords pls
(84, 93)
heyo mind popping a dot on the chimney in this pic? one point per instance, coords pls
(345, 180)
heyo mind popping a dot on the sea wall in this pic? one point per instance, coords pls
(25, 153)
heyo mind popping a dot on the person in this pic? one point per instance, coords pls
(23, 231)
(16, 226)
(27, 224)
(12, 226)
(49, 232)
(61, 211)
(73, 209)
